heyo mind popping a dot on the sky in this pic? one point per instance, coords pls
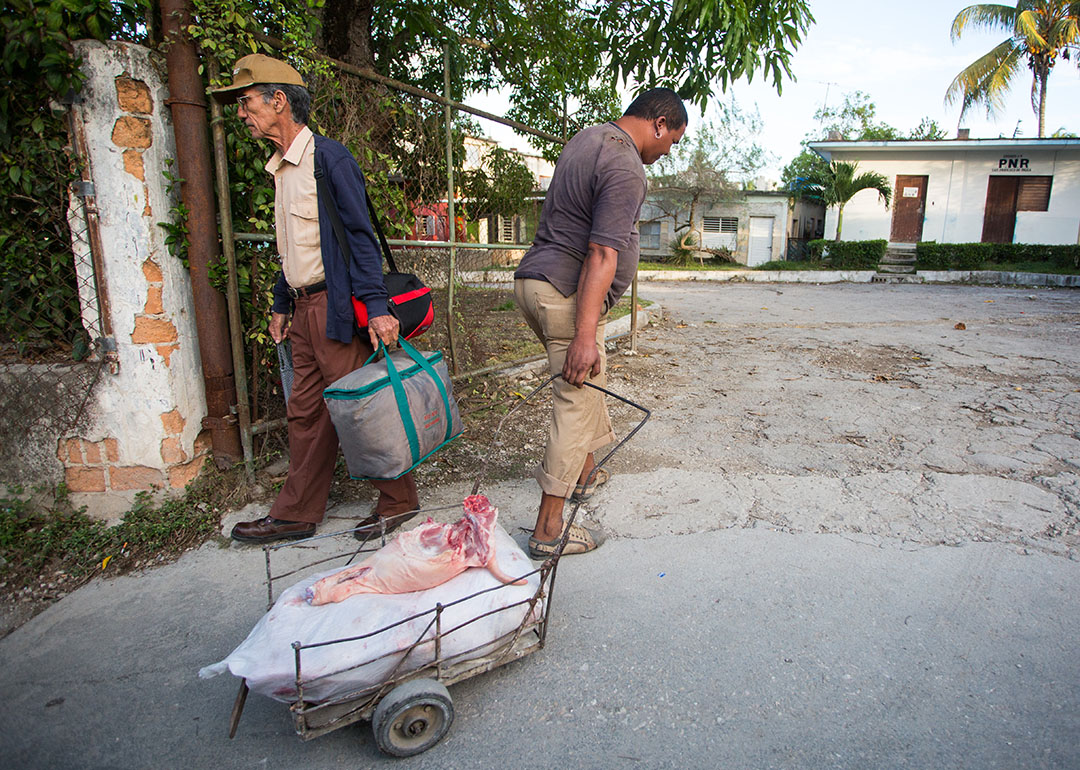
(900, 54)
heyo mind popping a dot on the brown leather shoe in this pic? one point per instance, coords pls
(369, 528)
(269, 529)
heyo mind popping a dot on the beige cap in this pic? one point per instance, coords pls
(253, 69)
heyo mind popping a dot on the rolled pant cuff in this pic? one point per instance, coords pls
(550, 485)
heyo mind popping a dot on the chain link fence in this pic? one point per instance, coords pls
(464, 244)
(51, 336)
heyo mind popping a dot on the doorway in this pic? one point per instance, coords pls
(999, 219)
(761, 235)
(909, 209)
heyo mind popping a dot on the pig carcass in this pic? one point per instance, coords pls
(421, 558)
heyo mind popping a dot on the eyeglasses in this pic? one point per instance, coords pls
(240, 102)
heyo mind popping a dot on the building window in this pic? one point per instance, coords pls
(649, 235)
(506, 229)
(429, 226)
(720, 224)
(1033, 193)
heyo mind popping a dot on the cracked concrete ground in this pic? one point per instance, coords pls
(860, 410)
(847, 538)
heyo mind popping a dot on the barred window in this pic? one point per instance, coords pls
(720, 224)
(649, 233)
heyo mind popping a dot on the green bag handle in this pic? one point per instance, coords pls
(403, 401)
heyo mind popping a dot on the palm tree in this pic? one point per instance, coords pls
(1039, 32)
(837, 184)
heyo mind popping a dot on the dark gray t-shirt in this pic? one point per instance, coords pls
(595, 196)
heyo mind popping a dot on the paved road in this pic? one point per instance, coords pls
(847, 539)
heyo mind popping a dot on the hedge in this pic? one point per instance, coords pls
(855, 255)
(973, 256)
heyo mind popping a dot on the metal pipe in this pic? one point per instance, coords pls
(633, 314)
(375, 77)
(187, 101)
(228, 246)
(450, 212)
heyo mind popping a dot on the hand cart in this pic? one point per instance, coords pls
(411, 710)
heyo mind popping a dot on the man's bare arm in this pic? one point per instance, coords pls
(597, 273)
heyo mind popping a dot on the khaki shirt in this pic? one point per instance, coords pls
(296, 211)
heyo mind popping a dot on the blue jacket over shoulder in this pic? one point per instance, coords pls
(363, 278)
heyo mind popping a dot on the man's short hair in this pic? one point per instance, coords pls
(298, 96)
(659, 103)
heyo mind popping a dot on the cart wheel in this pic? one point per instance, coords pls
(412, 718)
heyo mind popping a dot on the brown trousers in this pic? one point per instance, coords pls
(313, 443)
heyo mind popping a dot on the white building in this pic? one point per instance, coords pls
(964, 191)
(752, 226)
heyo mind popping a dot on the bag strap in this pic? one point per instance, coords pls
(403, 405)
(420, 360)
(335, 216)
(424, 364)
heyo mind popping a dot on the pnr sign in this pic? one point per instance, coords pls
(1014, 163)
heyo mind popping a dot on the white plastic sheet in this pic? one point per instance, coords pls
(266, 658)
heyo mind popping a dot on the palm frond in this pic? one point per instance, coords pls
(987, 79)
(1031, 27)
(985, 16)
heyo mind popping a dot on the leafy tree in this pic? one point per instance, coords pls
(721, 156)
(499, 186)
(560, 60)
(838, 185)
(1039, 32)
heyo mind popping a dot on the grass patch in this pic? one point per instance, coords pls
(1031, 267)
(696, 266)
(45, 554)
(781, 264)
(622, 307)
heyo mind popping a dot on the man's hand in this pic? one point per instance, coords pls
(582, 360)
(385, 328)
(279, 327)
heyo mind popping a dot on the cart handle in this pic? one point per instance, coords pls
(617, 447)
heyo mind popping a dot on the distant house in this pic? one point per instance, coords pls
(753, 226)
(964, 190)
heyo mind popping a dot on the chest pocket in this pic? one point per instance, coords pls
(304, 222)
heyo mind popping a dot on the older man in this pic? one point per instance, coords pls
(313, 294)
(583, 258)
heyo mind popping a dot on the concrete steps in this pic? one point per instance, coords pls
(897, 266)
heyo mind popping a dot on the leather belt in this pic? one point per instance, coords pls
(307, 291)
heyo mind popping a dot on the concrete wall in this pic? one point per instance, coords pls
(749, 204)
(146, 413)
(956, 195)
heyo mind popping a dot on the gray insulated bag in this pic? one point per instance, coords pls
(391, 414)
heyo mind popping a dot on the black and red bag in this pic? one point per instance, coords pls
(409, 299)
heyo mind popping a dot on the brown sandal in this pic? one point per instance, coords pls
(582, 493)
(579, 540)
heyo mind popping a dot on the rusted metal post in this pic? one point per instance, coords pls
(187, 100)
(450, 212)
(228, 246)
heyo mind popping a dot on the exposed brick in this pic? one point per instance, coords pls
(135, 477)
(92, 452)
(133, 95)
(172, 451)
(151, 330)
(85, 479)
(173, 422)
(133, 164)
(166, 351)
(112, 450)
(132, 132)
(70, 452)
(182, 475)
(151, 271)
(153, 301)
(202, 443)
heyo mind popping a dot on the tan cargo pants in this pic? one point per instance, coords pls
(580, 423)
